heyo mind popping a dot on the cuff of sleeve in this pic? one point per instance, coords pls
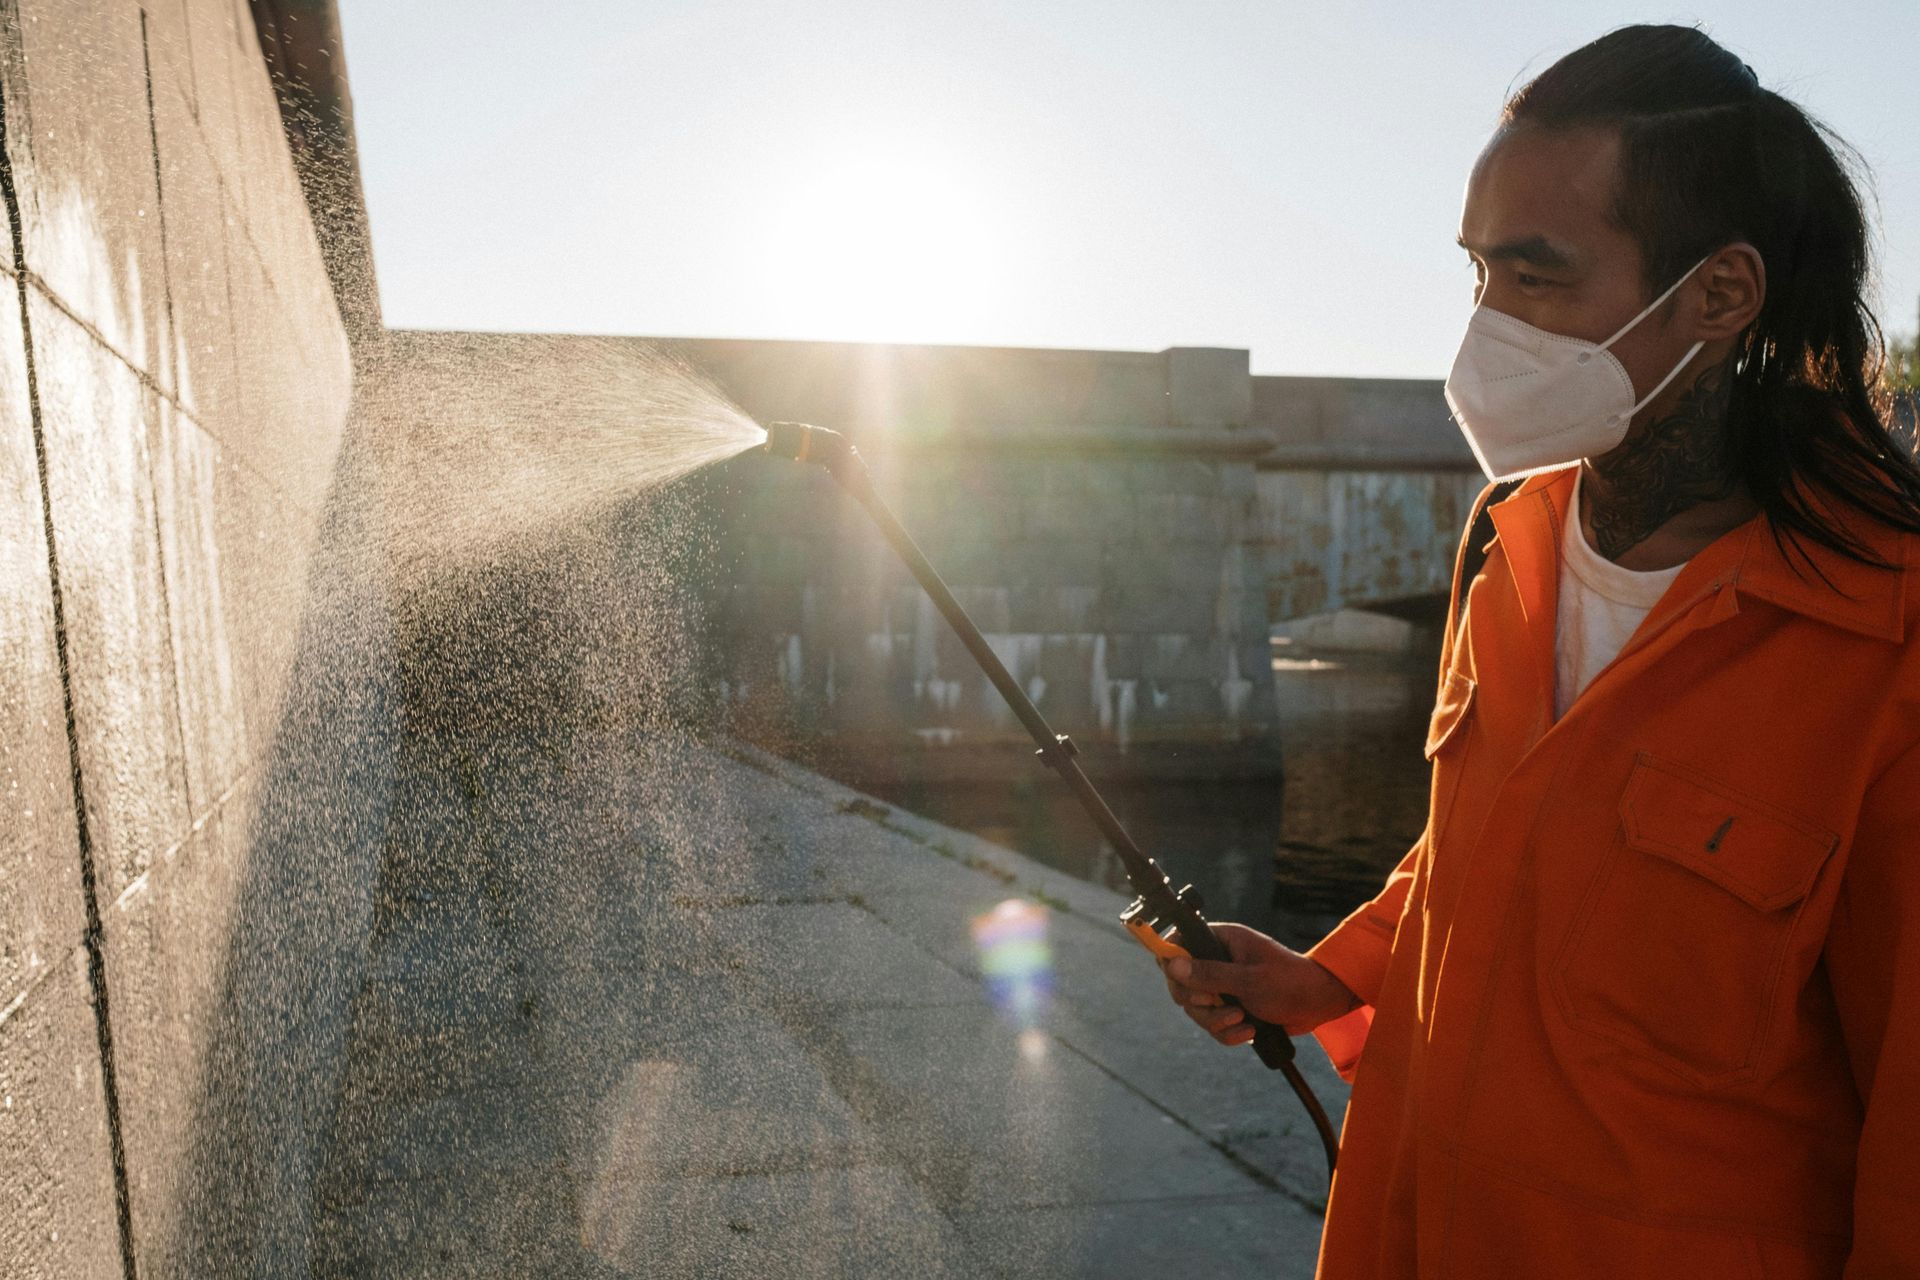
(1357, 954)
(1344, 1038)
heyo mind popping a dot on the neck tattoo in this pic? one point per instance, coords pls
(1679, 461)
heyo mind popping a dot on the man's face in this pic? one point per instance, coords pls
(1545, 249)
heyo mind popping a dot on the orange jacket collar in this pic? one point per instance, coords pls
(1861, 598)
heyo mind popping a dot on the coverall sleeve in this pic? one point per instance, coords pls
(1356, 952)
(1873, 963)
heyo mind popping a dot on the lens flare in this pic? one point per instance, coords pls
(1010, 945)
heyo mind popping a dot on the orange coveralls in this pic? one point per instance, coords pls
(1644, 999)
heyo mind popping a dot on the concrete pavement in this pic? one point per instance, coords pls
(646, 1009)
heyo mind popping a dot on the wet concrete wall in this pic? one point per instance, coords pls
(191, 778)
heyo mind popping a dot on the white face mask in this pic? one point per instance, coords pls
(1528, 400)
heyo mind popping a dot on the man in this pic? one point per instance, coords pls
(1644, 999)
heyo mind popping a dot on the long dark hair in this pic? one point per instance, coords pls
(1708, 158)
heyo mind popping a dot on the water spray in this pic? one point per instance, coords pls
(1167, 922)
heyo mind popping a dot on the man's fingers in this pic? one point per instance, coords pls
(1219, 1018)
(1213, 976)
(1239, 1034)
(1188, 998)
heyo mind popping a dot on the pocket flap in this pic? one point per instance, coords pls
(1449, 710)
(1760, 854)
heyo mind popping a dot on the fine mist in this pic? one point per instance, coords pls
(488, 444)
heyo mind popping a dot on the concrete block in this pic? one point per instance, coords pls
(83, 166)
(274, 221)
(1166, 603)
(1124, 654)
(1183, 517)
(1208, 388)
(186, 464)
(1082, 516)
(989, 607)
(1074, 610)
(1070, 477)
(1076, 561)
(1181, 655)
(167, 961)
(296, 380)
(973, 554)
(1348, 631)
(200, 216)
(779, 560)
(98, 422)
(1182, 702)
(40, 912)
(1198, 476)
(56, 1171)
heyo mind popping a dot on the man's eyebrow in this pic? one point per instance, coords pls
(1534, 250)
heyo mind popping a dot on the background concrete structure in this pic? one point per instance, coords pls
(1125, 526)
(1362, 496)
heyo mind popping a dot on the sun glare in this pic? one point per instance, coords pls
(885, 245)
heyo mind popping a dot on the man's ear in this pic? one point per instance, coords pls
(1732, 287)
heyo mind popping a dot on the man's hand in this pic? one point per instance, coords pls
(1272, 983)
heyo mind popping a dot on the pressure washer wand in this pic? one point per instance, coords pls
(1165, 921)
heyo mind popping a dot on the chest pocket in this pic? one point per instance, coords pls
(1680, 950)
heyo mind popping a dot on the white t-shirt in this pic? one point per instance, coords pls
(1601, 606)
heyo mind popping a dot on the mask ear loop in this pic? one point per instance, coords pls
(1623, 330)
(1684, 360)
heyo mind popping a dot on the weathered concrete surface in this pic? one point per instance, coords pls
(1355, 539)
(642, 1007)
(1123, 525)
(40, 909)
(56, 1178)
(1358, 424)
(192, 389)
(1121, 590)
(1094, 510)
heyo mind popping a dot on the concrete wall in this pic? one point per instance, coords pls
(181, 880)
(1124, 525)
(1363, 495)
(1093, 510)
(1341, 539)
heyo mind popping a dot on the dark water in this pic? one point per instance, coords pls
(1289, 857)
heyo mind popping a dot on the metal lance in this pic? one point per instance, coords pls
(1167, 921)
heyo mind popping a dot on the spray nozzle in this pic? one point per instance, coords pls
(804, 443)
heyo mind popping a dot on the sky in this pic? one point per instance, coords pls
(1058, 173)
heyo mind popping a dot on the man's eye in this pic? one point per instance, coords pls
(1531, 282)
